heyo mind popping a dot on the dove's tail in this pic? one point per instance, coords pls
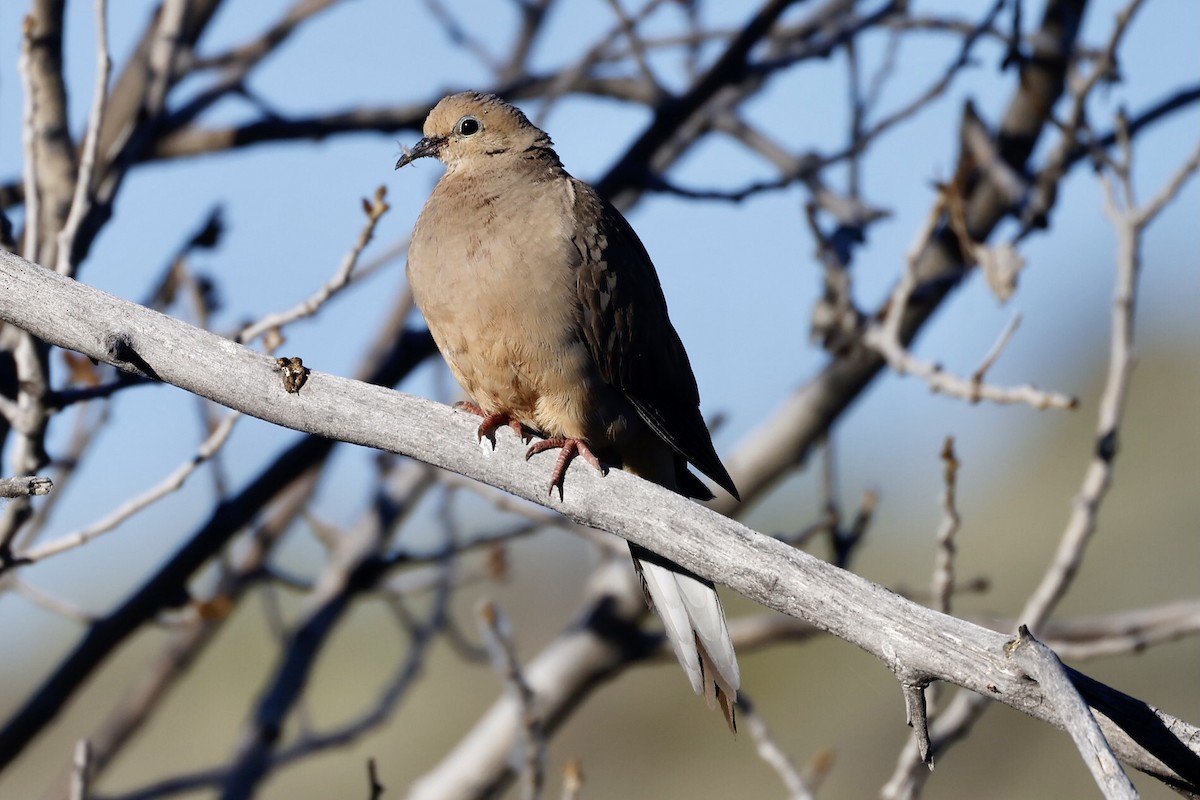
(695, 625)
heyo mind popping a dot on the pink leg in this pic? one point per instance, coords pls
(491, 422)
(570, 449)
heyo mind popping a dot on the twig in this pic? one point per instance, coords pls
(623, 182)
(1043, 665)
(533, 15)
(163, 52)
(238, 63)
(941, 382)
(770, 751)
(884, 338)
(459, 36)
(354, 569)
(498, 636)
(203, 619)
(373, 785)
(1130, 223)
(25, 485)
(374, 210)
(1045, 182)
(830, 509)
(29, 142)
(1119, 633)
(843, 539)
(636, 45)
(573, 77)
(801, 167)
(965, 709)
(1146, 215)
(378, 711)
(572, 779)
(81, 201)
(171, 483)
(537, 517)
(939, 87)
(943, 570)
(919, 695)
(917, 717)
(52, 603)
(990, 359)
(251, 53)
(823, 526)
(87, 424)
(80, 774)
(423, 635)
(887, 66)
(951, 725)
(63, 398)
(30, 356)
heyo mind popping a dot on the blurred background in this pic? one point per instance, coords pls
(742, 279)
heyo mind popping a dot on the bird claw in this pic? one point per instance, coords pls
(492, 422)
(570, 449)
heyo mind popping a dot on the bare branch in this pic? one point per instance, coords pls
(345, 273)
(1043, 666)
(943, 572)
(533, 15)
(498, 637)
(1121, 632)
(170, 484)
(621, 184)
(997, 350)
(770, 752)
(636, 46)
(916, 716)
(50, 602)
(885, 338)
(939, 87)
(575, 77)
(572, 779)
(459, 36)
(1097, 480)
(33, 209)
(91, 144)
(396, 352)
(689, 534)
(353, 569)
(247, 55)
(26, 485)
(201, 623)
(1145, 215)
(374, 786)
(950, 725)
(80, 774)
(164, 51)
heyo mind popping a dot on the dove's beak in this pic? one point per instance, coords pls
(429, 146)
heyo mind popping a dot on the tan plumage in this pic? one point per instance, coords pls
(548, 310)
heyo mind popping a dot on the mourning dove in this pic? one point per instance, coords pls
(547, 308)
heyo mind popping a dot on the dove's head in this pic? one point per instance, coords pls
(471, 125)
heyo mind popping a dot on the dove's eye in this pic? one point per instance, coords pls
(469, 126)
